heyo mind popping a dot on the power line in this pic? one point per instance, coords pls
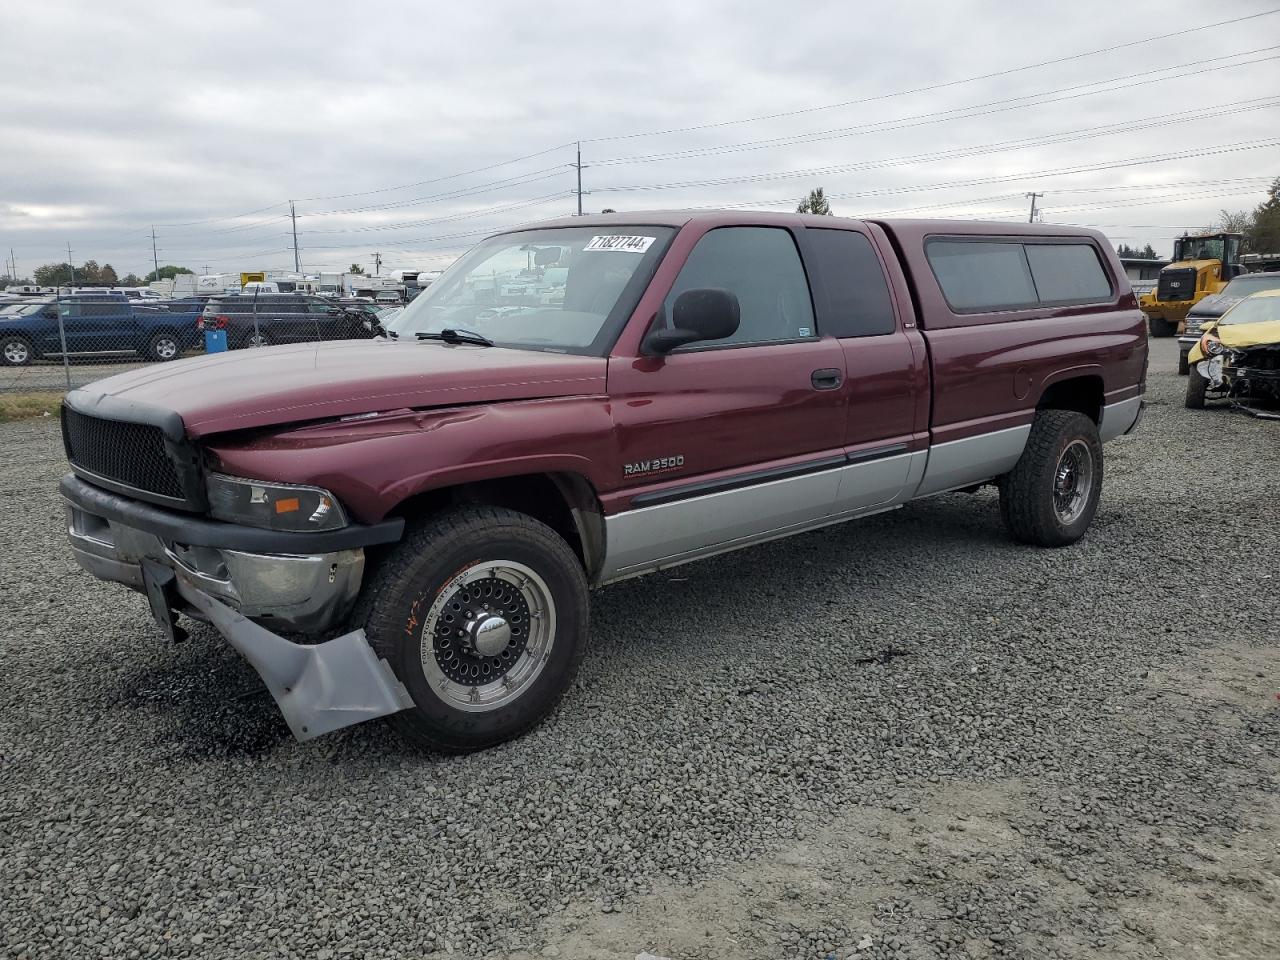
(935, 86)
(941, 116)
(451, 176)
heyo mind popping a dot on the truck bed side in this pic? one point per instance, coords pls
(992, 370)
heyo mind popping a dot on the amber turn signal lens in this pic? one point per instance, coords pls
(288, 505)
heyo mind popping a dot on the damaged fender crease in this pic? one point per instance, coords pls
(319, 688)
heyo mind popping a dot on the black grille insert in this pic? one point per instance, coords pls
(1176, 285)
(133, 455)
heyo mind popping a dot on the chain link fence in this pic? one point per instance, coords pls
(59, 342)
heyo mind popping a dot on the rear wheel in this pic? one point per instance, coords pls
(1196, 387)
(1050, 496)
(1160, 327)
(164, 346)
(482, 614)
(15, 351)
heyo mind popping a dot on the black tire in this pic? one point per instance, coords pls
(16, 351)
(1034, 495)
(397, 612)
(164, 346)
(1196, 387)
(1184, 365)
(1160, 327)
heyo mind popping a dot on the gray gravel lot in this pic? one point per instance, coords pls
(905, 737)
(45, 375)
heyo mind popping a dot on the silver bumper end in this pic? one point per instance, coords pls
(318, 687)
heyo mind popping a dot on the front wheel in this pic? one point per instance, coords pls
(1050, 496)
(15, 351)
(482, 614)
(1197, 385)
(1184, 365)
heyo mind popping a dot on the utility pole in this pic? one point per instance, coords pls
(294, 217)
(13, 265)
(1033, 196)
(377, 264)
(155, 256)
(579, 167)
(70, 264)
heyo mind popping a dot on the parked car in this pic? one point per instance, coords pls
(1238, 355)
(93, 325)
(265, 319)
(1215, 305)
(644, 394)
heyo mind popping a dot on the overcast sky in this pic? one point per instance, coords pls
(206, 118)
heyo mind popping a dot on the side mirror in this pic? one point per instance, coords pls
(707, 313)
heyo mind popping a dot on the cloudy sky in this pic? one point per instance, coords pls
(412, 129)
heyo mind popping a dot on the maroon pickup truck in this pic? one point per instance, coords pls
(409, 526)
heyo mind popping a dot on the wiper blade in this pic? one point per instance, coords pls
(457, 336)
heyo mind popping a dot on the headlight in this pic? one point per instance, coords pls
(274, 506)
(1211, 345)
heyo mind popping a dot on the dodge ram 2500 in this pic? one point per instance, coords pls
(409, 526)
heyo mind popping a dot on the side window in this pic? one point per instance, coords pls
(858, 302)
(761, 266)
(982, 275)
(1068, 273)
(69, 309)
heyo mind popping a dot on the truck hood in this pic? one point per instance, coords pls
(243, 389)
(1213, 306)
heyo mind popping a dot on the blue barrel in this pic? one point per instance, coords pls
(215, 341)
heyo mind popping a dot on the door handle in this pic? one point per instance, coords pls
(828, 378)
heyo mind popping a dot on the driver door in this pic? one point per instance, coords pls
(731, 440)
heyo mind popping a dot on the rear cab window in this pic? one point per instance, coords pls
(850, 287)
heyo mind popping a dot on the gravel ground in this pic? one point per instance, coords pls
(905, 737)
(50, 374)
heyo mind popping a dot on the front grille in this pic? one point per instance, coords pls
(1176, 285)
(132, 455)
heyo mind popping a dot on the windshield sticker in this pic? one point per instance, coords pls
(625, 244)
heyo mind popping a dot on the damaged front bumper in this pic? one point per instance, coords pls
(298, 583)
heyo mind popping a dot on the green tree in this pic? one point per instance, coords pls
(8, 281)
(88, 274)
(815, 202)
(131, 280)
(107, 276)
(1148, 252)
(167, 272)
(53, 274)
(356, 269)
(1264, 233)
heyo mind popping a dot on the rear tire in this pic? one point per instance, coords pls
(1160, 327)
(1050, 496)
(16, 351)
(438, 610)
(164, 347)
(1196, 387)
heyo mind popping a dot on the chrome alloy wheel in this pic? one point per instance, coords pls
(488, 635)
(166, 348)
(1073, 481)
(17, 352)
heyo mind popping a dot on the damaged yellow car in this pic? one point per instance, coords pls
(1238, 358)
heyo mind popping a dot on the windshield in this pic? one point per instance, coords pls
(1198, 248)
(1253, 310)
(566, 289)
(20, 309)
(1243, 286)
